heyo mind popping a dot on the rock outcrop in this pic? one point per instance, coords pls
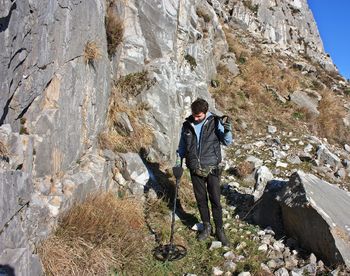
(54, 101)
(313, 212)
(316, 213)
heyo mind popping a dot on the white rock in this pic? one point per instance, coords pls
(282, 272)
(217, 271)
(259, 144)
(241, 245)
(308, 148)
(215, 245)
(278, 245)
(244, 273)
(347, 147)
(229, 255)
(230, 266)
(286, 147)
(271, 129)
(281, 164)
(263, 247)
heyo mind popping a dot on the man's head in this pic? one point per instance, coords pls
(199, 109)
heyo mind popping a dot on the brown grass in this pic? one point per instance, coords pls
(91, 52)
(114, 30)
(4, 153)
(244, 169)
(96, 236)
(201, 12)
(115, 138)
(133, 84)
(330, 124)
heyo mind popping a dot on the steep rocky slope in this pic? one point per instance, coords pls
(56, 98)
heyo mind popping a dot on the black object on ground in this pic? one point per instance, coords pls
(171, 251)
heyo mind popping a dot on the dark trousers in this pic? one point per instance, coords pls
(202, 187)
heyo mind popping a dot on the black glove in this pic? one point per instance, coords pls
(226, 122)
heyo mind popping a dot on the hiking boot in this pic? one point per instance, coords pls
(205, 233)
(220, 235)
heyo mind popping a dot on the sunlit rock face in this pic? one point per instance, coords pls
(286, 24)
(54, 104)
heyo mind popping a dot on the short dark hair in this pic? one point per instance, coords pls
(199, 105)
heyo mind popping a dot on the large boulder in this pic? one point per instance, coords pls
(306, 99)
(317, 214)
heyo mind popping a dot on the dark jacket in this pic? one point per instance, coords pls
(207, 152)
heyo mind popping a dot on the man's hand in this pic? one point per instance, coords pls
(226, 122)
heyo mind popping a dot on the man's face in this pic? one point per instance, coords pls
(198, 117)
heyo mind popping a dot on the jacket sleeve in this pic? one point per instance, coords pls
(182, 145)
(225, 138)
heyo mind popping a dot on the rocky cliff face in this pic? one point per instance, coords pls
(54, 104)
(286, 26)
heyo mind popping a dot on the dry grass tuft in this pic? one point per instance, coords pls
(91, 52)
(244, 169)
(4, 153)
(201, 12)
(329, 124)
(114, 30)
(96, 236)
(133, 84)
(142, 135)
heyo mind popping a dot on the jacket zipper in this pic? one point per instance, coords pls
(200, 142)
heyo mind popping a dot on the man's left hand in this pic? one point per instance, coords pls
(226, 122)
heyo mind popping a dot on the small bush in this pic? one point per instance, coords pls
(297, 115)
(244, 169)
(4, 153)
(201, 12)
(192, 61)
(248, 4)
(91, 52)
(133, 84)
(142, 135)
(95, 236)
(114, 31)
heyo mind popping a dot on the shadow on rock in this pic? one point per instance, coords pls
(163, 183)
(265, 212)
(6, 270)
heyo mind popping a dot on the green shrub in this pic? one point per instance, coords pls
(202, 13)
(192, 61)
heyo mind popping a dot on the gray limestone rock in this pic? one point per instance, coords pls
(304, 206)
(262, 176)
(308, 99)
(136, 171)
(325, 156)
(282, 272)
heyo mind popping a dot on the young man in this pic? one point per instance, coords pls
(201, 136)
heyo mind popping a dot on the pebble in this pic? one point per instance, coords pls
(229, 255)
(263, 247)
(230, 266)
(244, 273)
(217, 271)
(271, 129)
(215, 245)
(282, 272)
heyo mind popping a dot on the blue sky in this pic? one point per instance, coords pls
(333, 21)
